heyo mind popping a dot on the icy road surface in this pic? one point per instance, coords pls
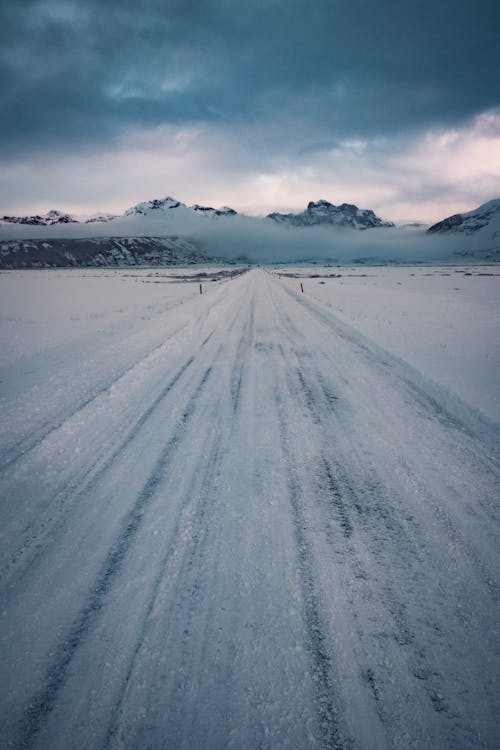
(241, 524)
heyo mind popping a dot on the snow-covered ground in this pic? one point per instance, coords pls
(41, 311)
(445, 321)
(234, 520)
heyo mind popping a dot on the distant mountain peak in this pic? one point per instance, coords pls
(156, 204)
(324, 212)
(471, 221)
(51, 217)
(98, 218)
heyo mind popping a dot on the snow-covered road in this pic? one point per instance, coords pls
(251, 528)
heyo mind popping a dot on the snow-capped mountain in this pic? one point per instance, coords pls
(154, 206)
(323, 212)
(51, 217)
(319, 212)
(56, 217)
(161, 205)
(484, 218)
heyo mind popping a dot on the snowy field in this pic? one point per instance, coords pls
(252, 517)
(445, 321)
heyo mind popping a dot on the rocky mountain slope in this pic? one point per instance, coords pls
(209, 211)
(323, 212)
(44, 220)
(483, 219)
(100, 251)
(476, 233)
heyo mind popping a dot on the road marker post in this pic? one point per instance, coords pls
(301, 288)
(201, 289)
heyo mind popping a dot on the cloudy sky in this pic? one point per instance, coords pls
(259, 104)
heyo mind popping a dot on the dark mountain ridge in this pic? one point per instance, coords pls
(324, 212)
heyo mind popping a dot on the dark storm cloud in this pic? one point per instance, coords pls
(77, 74)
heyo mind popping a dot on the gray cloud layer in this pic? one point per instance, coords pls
(77, 75)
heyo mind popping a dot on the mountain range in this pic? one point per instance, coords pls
(320, 212)
(147, 208)
(166, 231)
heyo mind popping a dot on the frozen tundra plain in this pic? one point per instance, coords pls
(252, 518)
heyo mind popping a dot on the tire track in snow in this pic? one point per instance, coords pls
(337, 499)
(398, 370)
(334, 477)
(331, 734)
(197, 533)
(393, 369)
(327, 695)
(84, 483)
(389, 367)
(243, 348)
(341, 495)
(192, 571)
(41, 704)
(375, 519)
(27, 444)
(188, 591)
(327, 692)
(340, 499)
(378, 519)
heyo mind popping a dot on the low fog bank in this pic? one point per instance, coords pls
(263, 241)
